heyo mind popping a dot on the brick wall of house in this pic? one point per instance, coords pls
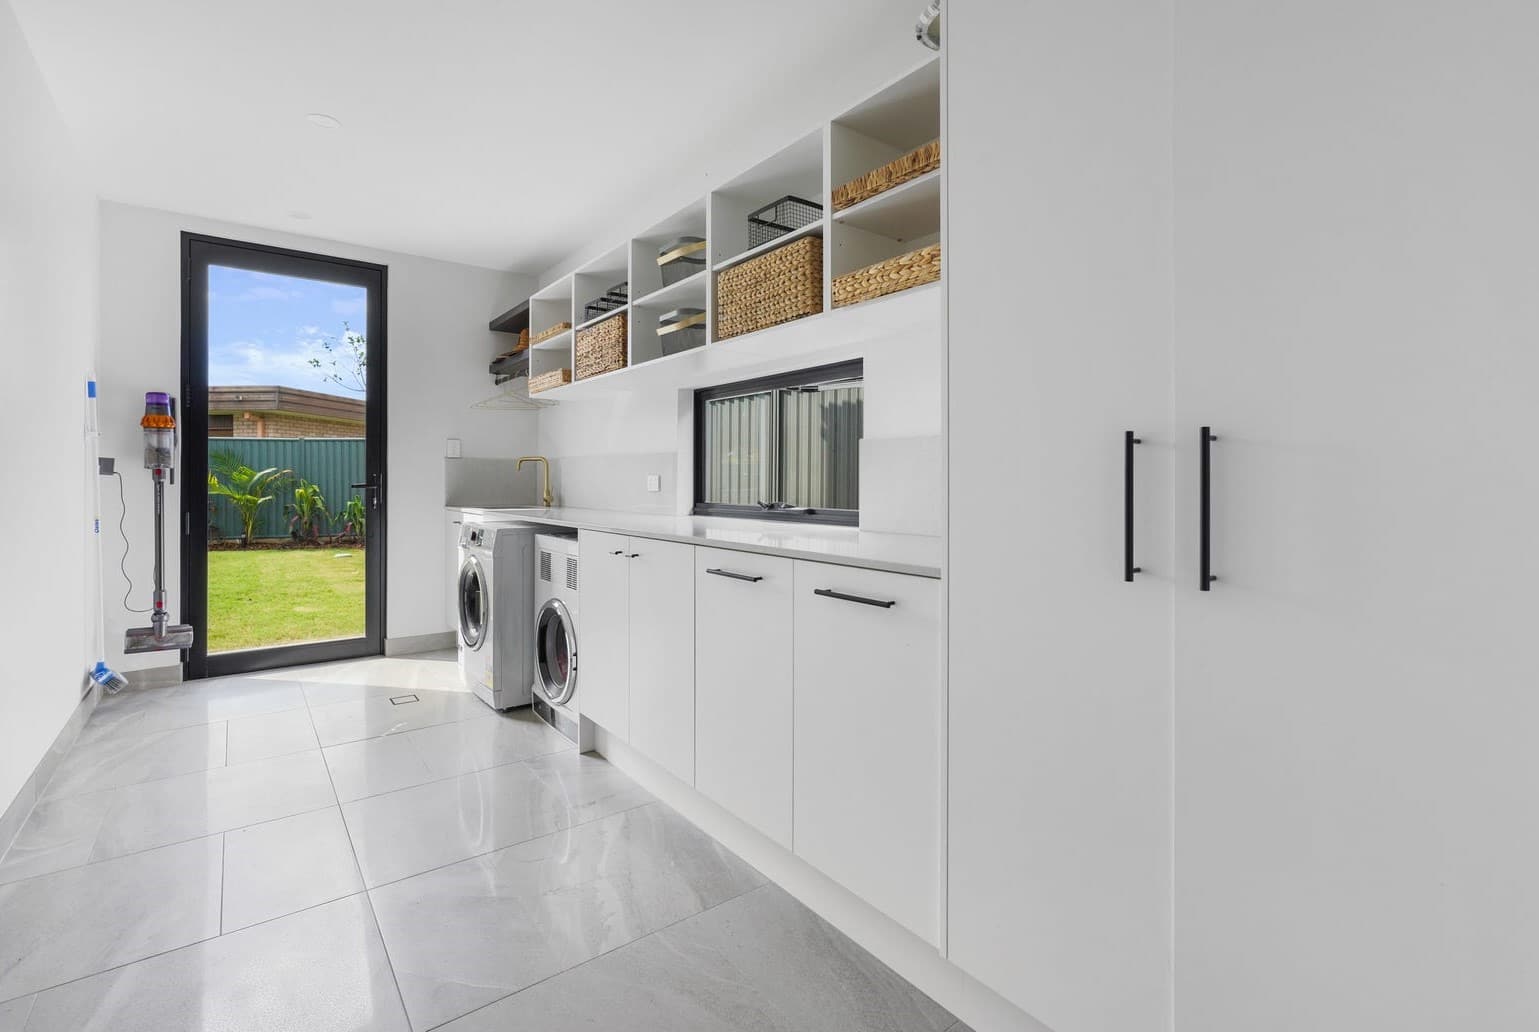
(287, 424)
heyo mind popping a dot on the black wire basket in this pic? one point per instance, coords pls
(613, 298)
(778, 218)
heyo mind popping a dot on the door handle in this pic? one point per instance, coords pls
(736, 576)
(370, 485)
(831, 593)
(1205, 576)
(1128, 442)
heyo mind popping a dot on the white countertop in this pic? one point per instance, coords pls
(896, 553)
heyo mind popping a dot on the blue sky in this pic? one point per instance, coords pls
(264, 329)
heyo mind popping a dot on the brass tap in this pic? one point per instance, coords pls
(545, 494)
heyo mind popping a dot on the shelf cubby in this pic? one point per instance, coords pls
(646, 278)
(549, 306)
(797, 171)
(888, 125)
(893, 121)
(594, 278)
(646, 346)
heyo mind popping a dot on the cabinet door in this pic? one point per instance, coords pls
(452, 522)
(1058, 278)
(743, 686)
(867, 722)
(662, 708)
(603, 631)
(1356, 700)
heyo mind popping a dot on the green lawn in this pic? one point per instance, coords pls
(263, 597)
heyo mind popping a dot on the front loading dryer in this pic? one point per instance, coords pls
(495, 605)
(557, 656)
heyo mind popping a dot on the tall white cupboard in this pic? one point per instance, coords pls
(1300, 795)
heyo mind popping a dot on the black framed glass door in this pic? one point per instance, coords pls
(283, 456)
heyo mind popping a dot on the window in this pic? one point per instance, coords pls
(221, 426)
(781, 447)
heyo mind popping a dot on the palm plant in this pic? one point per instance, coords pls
(246, 488)
(353, 518)
(307, 512)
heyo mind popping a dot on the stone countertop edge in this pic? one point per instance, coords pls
(913, 555)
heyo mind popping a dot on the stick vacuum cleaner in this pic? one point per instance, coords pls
(159, 425)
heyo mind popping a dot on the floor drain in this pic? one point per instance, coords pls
(401, 700)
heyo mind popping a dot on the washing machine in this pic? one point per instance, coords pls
(556, 653)
(496, 609)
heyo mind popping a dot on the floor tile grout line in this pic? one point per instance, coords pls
(435, 780)
(614, 949)
(115, 967)
(352, 846)
(176, 842)
(163, 845)
(224, 852)
(511, 845)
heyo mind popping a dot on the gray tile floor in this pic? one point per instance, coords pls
(295, 851)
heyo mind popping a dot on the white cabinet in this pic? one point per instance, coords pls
(662, 654)
(453, 520)
(867, 726)
(1355, 696)
(1057, 161)
(604, 632)
(743, 686)
(636, 645)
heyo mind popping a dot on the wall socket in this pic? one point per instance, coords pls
(106, 465)
(452, 448)
(654, 482)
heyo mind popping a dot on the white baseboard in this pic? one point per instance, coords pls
(910, 956)
(412, 644)
(16, 813)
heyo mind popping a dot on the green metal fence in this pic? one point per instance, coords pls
(333, 463)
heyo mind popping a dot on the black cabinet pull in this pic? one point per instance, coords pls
(736, 576)
(831, 593)
(618, 551)
(1128, 569)
(633, 555)
(1205, 577)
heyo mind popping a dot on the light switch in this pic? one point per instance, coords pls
(654, 482)
(452, 448)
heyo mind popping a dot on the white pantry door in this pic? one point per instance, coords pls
(1357, 697)
(1057, 163)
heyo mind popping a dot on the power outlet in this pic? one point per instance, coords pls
(106, 465)
(452, 448)
(654, 482)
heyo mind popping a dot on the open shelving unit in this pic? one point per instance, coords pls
(886, 125)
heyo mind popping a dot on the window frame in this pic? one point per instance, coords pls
(854, 369)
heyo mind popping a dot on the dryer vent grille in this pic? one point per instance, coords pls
(571, 573)
(545, 566)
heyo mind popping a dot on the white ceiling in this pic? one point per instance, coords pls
(503, 134)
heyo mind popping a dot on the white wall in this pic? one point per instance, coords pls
(439, 347)
(602, 449)
(47, 338)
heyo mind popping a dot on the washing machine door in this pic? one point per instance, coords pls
(555, 652)
(475, 603)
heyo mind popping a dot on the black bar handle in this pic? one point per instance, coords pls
(1205, 577)
(1128, 569)
(831, 593)
(736, 576)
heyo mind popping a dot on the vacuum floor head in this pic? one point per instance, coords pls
(144, 639)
